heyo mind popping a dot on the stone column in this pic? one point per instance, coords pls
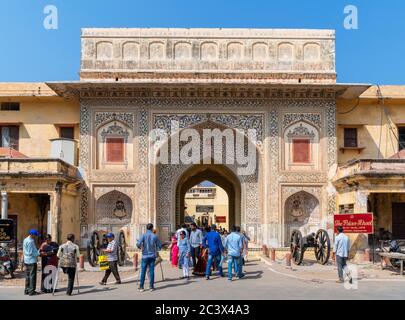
(4, 205)
(55, 205)
(359, 242)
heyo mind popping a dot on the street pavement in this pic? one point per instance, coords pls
(263, 280)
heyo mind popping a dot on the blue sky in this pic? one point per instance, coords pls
(374, 53)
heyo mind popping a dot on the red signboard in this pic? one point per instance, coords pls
(220, 219)
(354, 222)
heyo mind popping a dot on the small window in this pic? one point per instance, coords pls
(301, 151)
(115, 150)
(67, 132)
(10, 106)
(350, 137)
(401, 138)
(9, 137)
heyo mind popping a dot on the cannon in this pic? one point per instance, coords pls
(319, 241)
(98, 241)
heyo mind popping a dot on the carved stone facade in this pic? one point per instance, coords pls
(238, 73)
(153, 191)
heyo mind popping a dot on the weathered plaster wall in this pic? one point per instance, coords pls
(26, 210)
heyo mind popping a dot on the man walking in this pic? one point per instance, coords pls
(341, 251)
(112, 258)
(68, 254)
(196, 243)
(150, 244)
(234, 248)
(212, 240)
(31, 254)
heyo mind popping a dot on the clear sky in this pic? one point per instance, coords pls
(374, 53)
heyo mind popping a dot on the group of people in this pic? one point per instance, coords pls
(206, 249)
(203, 249)
(64, 256)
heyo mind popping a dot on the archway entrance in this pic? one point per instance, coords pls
(219, 175)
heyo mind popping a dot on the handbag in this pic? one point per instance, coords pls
(103, 263)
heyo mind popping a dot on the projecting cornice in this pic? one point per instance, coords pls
(103, 89)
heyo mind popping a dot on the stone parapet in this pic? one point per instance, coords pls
(129, 53)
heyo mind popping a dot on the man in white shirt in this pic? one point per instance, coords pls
(341, 252)
(196, 237)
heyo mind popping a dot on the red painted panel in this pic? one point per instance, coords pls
(301, 151)
(115, 150)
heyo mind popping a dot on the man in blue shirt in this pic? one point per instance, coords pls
(31, 254)
(212, 240)
(341, 252)
(150, 245)
(234, 248)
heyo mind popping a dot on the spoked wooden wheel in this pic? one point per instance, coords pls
(322, 246)
(93, 249)
(296, 247)
(122, 249)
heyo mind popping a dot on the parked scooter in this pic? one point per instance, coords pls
(7, 266)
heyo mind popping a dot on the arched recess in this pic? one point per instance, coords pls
(113, 211)
(218, 174)
(302, 212)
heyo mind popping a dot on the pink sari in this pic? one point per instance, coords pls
(175, 252)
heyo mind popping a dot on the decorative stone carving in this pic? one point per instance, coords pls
(301, 131)
(301, 210)
(104, 117)
(113, 208)
(115, 130)
(312, 118)
(99, 191)
(228, 50)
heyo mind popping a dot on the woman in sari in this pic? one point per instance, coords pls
(184, 254)
(47, 252)
(174, 251)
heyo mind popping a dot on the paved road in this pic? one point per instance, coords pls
(261, 282)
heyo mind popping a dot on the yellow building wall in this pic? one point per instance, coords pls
(379, 141)
(70, 219)
(39, 120)
(220, 203)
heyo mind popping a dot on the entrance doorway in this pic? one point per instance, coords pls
(398, 220)
(209, 178)
(205, 204)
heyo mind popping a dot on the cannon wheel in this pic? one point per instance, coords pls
(322, 246)
(297, 247)
(93, 248)
(122, 249)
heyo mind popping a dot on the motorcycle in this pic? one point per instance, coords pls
(7, 266)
